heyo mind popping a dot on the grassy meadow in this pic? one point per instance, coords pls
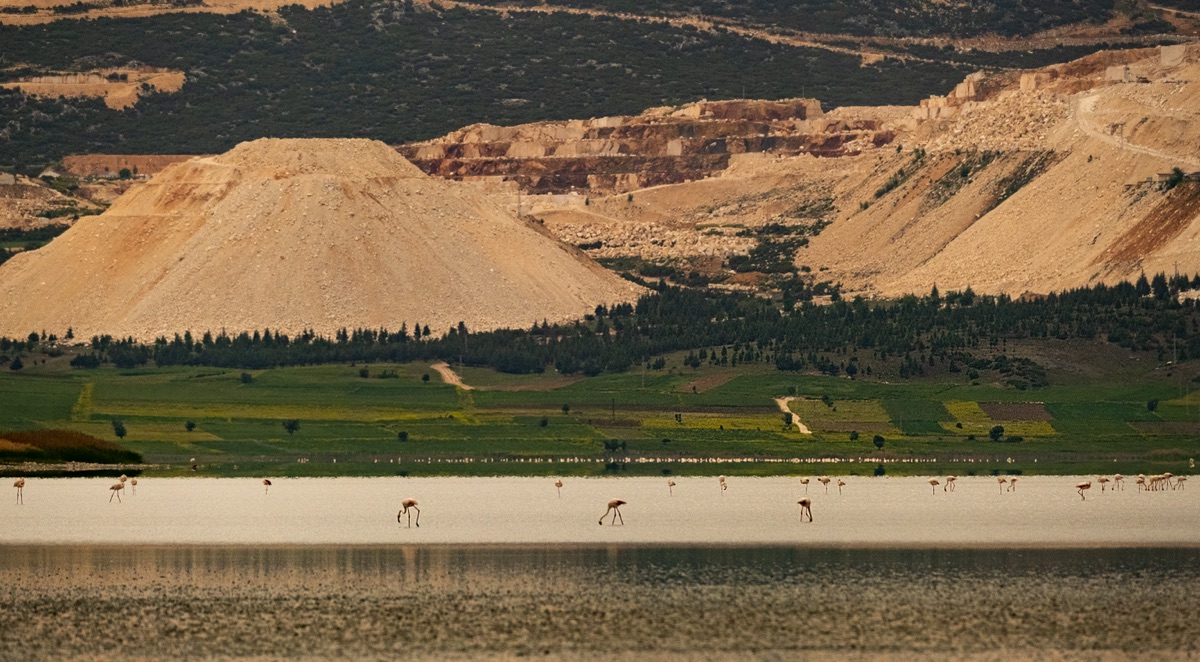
(679, 420)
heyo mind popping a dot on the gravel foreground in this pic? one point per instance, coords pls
(595, 603)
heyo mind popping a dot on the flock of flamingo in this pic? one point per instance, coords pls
(1145, 483)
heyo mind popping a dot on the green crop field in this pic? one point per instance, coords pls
(392, 421)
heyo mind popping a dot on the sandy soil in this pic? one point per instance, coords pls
(783, 407)
(449, 376)
(294, 235)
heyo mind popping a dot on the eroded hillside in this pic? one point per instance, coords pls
(1013, 183)
(294, 235)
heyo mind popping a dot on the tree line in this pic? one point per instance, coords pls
(955, 332)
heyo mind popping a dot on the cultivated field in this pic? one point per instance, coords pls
(393, 421)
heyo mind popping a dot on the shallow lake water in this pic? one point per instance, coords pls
(1042, 511)
(503, 568)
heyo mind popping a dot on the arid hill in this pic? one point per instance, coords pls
(1014, 182)
(294, 235)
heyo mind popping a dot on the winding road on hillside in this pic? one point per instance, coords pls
(703, 23)
(1082, 111)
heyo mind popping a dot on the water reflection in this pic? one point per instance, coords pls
(430, 602)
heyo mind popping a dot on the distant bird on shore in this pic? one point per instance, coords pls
(1118, 481)
(840, 483)
(721, 480)
(20, 485)
(558, 485)
(804, 482)
(1141, 482)
(615, 507)
(116, 491)
(824, 480)
(1103, 480)
(267, 485)
(1085, 485)
(406, 505)
(805, 509)
(1180, 481)
(671, 487)
(1001, 480)
(1012, 484)
(950, 482)
(933, 482)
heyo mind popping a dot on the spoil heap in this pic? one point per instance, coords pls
(293, 235)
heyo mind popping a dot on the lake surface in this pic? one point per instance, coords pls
(615, 602)
(1042, 511)
(504, 568)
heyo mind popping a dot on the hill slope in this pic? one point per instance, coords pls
(294, 235)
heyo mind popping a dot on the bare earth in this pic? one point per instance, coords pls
(117, 94)
(449, 376)
(294, 235)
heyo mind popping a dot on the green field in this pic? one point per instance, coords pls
(680, 421)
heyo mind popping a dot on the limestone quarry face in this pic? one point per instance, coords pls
(1014, 183)
(294, 235)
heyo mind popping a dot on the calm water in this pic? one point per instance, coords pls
(504, 568)
(586, 602)
(870, 511)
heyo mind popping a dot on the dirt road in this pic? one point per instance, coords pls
(449, 376)
(783, 407)
(1083, 108)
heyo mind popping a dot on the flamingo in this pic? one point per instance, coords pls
(1167, 477)
(1103, 480)
(804, 482)
(266, 485)
(558, 485)
(133, 485)
(1012, 484)
(721, 480)
(949, 486)
(933, 482)
(1141, 482)
(840, 483)
(805, 509)
(824, 480)
(615, 507)
(670, 487)
(116, 491)
(1002, 481)
(20, 485)
(1085, 485)
(1180, 481)
(1118, 481)
(405, 506)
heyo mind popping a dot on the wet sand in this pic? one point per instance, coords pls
(906, 512)
(589, 602)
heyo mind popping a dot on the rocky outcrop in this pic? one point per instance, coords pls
(660, 146)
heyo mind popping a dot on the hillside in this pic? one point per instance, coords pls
(1013, 183)
(350, 69)
(294, 235)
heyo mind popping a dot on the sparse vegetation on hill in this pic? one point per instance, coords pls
(891, 18)
(372, 68)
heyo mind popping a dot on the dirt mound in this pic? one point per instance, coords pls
(293, 235)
